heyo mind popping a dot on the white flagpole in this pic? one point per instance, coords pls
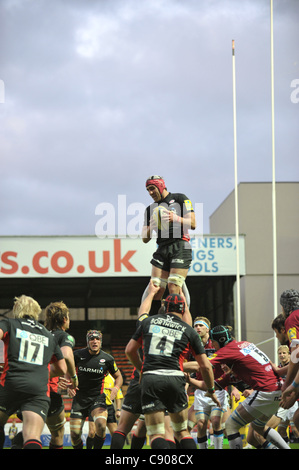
(238, 335)
(273, 182)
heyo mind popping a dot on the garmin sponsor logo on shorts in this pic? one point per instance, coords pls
(125, 220)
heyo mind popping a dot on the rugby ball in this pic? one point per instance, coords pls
(157, 217)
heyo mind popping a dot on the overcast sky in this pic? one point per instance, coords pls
(97, 95)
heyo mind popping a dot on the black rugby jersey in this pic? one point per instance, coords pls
(91, 371)
(63, 339)
(165, 338)
(29, 348)
(178, 203)
(135, 374)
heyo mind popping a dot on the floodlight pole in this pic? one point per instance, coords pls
(238, 332)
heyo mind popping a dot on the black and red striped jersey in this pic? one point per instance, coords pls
(28, 350)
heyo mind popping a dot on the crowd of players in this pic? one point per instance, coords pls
(171, 358)
(171, 354)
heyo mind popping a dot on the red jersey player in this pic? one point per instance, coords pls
(253, 367)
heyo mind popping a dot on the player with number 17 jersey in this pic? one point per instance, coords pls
(29, 348)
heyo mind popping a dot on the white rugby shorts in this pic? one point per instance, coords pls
(262, 403)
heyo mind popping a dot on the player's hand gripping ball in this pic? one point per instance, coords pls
(162, 223)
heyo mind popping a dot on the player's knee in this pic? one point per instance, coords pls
(75, 438)
(75, 433)
(156, 429)
(100, 422)
(179, 427)
(191, 424)
(55, 428)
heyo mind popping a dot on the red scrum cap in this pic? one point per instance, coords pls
(157, 181)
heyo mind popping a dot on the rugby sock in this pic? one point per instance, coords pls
(78, 446)
(32, 444)
(188, 443)
(177, 444)
(137, 442)
(17, 442)
(118, 440)
(159, 443)
(2, 437)
(235, 441)
(55, 446)
(275, 438)
(98, 441)
(218, 439)
(89, 442)
(202, 442)
(172, 444)
(266, 445)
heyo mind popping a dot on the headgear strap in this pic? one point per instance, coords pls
(93, 334)
(221, 334)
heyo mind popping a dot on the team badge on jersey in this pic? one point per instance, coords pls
(188, 205)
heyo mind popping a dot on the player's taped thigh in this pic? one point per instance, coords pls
(158, 428)
(178, 427)
(76, 430)
(191, 423)
(176, 279)
(100, 420)
(218, 412)
(96, 417)
(201, 415)
(55, 427)
(234, 423)
(157, 280)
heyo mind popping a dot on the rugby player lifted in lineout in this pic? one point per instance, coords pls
(171, 215)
